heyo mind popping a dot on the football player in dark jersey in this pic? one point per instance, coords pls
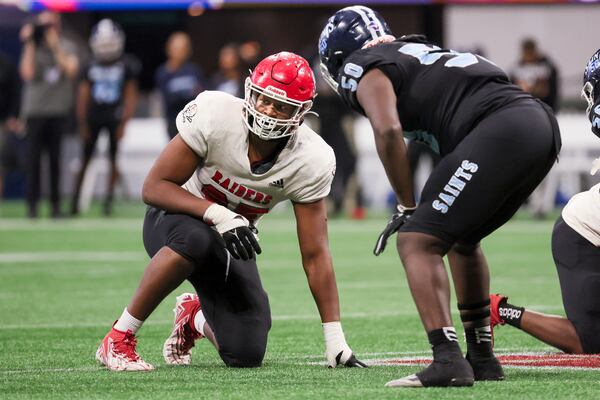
(106, 100)
(496, 144)
(576, 253)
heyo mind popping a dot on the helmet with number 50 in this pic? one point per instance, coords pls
(284, 78)
(348, 30)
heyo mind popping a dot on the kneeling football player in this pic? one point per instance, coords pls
(233, 161)
(576, 252)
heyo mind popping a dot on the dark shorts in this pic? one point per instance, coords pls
(481, 184)
(233, 300)
(578, 266)
(96, 128)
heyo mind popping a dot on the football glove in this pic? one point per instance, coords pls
(398, 219)
(238, 236)
(337, 350)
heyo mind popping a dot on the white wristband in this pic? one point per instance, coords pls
(334, 335)
(402, 209)
(336, 348)
(223, 219)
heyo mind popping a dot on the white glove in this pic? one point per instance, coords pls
(337, 350)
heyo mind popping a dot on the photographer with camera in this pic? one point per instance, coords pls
(48, 67)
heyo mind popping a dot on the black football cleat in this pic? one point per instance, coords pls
(446, 370)
(486, 368)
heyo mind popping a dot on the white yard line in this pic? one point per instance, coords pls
(271, 225)
(71, 256)
(302, 359)
(49, 370)
(297, 317)
(125, 224)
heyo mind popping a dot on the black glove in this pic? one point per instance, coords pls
(398, 219)
(241, 242)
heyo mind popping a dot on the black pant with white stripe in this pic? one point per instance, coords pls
(233, 300)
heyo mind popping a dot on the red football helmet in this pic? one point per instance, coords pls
(284, 77)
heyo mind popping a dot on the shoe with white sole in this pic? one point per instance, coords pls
(117, 352)
(444, 371)
(178, 346)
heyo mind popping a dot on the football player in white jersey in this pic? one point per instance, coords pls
(232, 161)
(576, 252)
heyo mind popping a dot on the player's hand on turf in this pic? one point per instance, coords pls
(343, 357)
(337, 350)
(398, 219)
(238, 236)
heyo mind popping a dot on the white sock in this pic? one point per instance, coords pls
(127, 322)
(199, 322)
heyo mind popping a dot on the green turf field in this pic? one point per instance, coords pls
(63, 283)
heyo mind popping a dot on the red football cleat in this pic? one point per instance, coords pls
(495, 301)
(117, 352)
(178, 347)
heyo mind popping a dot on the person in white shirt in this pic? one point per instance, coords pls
(576, 252)
(232, 162)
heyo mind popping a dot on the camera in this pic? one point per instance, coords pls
(39, 30)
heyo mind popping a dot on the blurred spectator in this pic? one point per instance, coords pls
(536, 74)
(49, 66)
(178, 79)
(250, 55)
(228, 78)
(9, 110)
(106, 99)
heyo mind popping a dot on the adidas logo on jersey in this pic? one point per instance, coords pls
(278, 183)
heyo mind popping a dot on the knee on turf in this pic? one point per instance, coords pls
(245, 355)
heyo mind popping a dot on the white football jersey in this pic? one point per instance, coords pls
(582, 213)
(212, 126)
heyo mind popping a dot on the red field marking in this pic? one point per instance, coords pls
(530, 360)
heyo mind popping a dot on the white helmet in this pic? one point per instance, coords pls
(107, 41)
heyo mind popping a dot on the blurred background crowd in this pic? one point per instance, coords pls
(68, 79)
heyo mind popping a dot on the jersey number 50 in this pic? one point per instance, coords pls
(355, 71)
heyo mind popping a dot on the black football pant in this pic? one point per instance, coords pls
(480, 185)
(44, 134)
(233, 300)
